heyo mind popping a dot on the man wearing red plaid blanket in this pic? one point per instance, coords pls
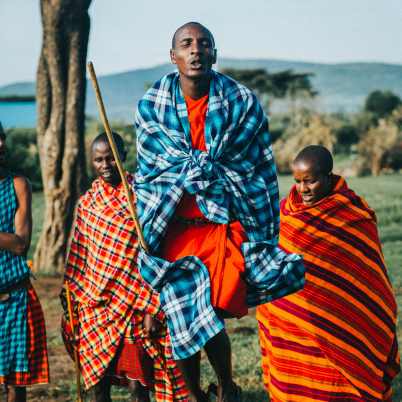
(120, 336)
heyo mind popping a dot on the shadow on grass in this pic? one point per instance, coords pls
(255, 396)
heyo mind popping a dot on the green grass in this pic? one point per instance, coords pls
(384, 195)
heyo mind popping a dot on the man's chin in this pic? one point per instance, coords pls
(198, 74)
(308, 201)
(111, 179)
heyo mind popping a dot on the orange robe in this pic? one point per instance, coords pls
(216, 245)
(334, 340)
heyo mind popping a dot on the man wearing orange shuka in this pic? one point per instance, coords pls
(335, 340)
(207, 200)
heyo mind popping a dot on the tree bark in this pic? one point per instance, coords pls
(61, 86)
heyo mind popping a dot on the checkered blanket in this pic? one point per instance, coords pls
(37, 369)
(102, 274)
(13, 312)
(234, 179)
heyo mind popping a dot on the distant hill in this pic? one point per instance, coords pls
(341, 87)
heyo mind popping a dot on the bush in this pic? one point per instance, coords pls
(382, 103)
(307, 129)
(381, 147)
(346, 136)
(23, 155)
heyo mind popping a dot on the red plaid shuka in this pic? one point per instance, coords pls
(38, 366)
(112, 299)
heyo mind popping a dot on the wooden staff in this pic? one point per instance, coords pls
(76, 357)
(116, 154)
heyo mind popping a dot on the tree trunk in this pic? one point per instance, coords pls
(61, 85)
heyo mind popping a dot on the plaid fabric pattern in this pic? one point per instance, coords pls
(103, 277)
(234, 179)
(38, 366)
(13, 311)
(13, 268)
(13, 333)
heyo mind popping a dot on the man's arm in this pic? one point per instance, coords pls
(18, 243)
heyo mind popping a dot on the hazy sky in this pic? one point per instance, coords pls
(128, 34)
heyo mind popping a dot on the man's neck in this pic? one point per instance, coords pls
(114, 183)
(3, 172)
(195, 89)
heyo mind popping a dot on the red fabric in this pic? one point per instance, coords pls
(217, 245)
(133, 363)
(38, 366)
(103, 277)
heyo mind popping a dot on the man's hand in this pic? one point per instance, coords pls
(151, 326)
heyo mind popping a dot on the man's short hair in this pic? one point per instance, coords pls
(186, 25)
(102, 137)
(318, 157)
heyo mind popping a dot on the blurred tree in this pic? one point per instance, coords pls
(23, 157)
(308, 128)
(346, 136)
(381, 147)
(61, 84)
(382, 103)
(278, 85)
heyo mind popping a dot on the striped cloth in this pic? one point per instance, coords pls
(334, 340)
(102, 274)
(23, 354)
(234, 179)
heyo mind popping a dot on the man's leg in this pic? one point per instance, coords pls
(190, 369)
(138, 392)
(16, 394)
(220, 356)
(102, 390)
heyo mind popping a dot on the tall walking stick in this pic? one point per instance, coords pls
(76, 357)
(116, 155)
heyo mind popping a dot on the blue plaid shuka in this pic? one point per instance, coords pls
(13, 311)
(234, 179)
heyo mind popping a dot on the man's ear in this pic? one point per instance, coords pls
(215, 56)
(173, 56)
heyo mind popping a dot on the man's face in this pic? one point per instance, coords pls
(104, 164)
(2, 148)
(194, 52)
(311, 186)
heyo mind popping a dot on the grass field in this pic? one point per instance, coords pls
(384, 194)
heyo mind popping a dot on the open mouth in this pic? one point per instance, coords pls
(307, 198)
(197, 65)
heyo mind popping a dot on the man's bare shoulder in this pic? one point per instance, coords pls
(22, 185)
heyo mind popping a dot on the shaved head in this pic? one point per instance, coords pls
(102, 138)
(192, 23)
(317, 157)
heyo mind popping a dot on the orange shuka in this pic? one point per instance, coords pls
(336, 338)
(216, 245)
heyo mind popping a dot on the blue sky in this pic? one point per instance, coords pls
(128, 34)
